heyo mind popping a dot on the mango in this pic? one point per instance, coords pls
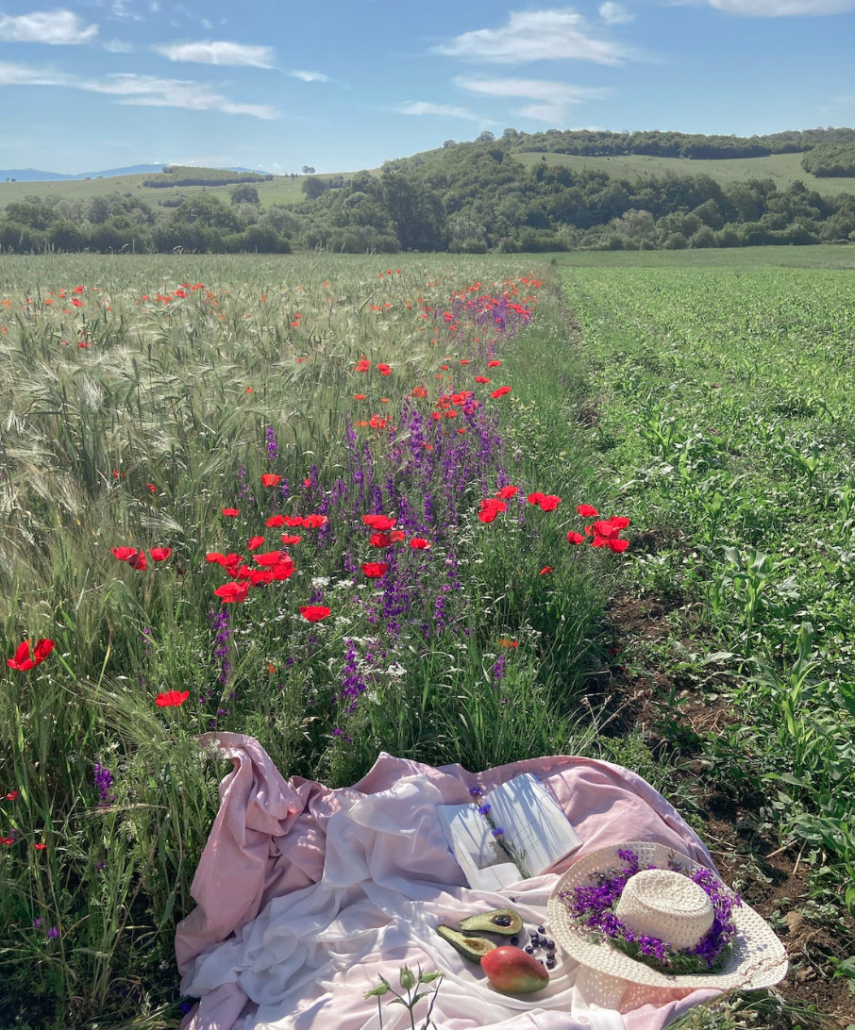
(513, 971)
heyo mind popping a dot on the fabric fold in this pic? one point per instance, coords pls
(306, 896)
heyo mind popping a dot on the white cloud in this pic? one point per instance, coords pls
(554, 34)
(136, 90)
(443, 110)
(56, 28)
(117, 46)
(552, 97)
(615, 14)
(782, 8)
(310, 76)
(222, 53)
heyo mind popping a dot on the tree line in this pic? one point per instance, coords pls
(473, 198)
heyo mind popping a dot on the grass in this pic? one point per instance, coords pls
(134, 422)
(722, 423)
(784, 169)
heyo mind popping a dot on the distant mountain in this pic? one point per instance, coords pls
(36, 175)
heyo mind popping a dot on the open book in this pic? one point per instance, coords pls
(537, 832)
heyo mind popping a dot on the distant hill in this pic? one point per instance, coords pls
(36, 175)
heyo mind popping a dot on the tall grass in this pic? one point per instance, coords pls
(135, 422)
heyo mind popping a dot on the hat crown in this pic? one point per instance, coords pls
(667, 905)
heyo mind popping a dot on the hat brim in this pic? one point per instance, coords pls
(756, 958)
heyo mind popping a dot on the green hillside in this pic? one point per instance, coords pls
(282, 190)
(784, 169)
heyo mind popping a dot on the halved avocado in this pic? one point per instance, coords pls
(473, 948)
(502, 920)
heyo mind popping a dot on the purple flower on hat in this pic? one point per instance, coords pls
(592, 906)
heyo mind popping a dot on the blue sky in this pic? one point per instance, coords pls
(347, 84)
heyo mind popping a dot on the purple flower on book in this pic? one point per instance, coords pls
(483, 810)
(475, 792)
(498, 831)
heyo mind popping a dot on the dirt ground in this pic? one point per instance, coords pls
(772, 878)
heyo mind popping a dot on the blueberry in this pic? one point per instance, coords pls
(533, 935)
(529, 950)
(541, 942)
(551, 945)
(541, 929)
(515, 940)
(550, 963)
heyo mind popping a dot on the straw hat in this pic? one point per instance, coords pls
(665, 904)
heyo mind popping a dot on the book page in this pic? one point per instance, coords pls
(485, 865)
(533, 822)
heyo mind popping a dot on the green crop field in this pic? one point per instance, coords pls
(148, 593)
(823, 256)
(784, 169)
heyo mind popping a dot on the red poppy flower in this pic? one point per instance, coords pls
(546, 570)
(226, 560)
(586, 511)
(379, 522)
(600, 541)
(493, 364)
(172, 698)
(273, 558)
(231, 513)
(359, 396)
(22, 661)
(606, 529)
(77, 303)
(314, 521)
(270, 479)
(138, 562)
(375, 569)
(380, 540)
(575, 538)
(13, 795)
(39, 846)
(77, 289)
(160, 553)
(123, 553)
(619, 521)
(550, 502)
(286, 539)
(292, 521)
(507, 492)
(314, 612)
(617, 545)
(384, 369)
(418, 543)
(502, 390)
(481, 379)
(487, 515)
(419, 391)
(232, 593)
(152, 487)
(536, 498)
(493, 504)
(362, 366)
(253, 542)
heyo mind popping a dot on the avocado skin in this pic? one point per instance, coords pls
(473, 948)
(487, 922)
